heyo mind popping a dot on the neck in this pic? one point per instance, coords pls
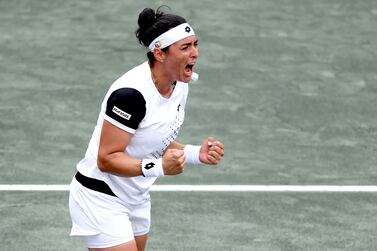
(163, 83)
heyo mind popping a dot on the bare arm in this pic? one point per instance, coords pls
(111, 156)
(112, 159)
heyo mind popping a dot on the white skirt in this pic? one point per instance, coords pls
(100, 215)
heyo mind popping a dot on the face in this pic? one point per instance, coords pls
(181, 57)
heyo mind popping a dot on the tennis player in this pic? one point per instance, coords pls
(134, 143)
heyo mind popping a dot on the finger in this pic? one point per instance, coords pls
(212, 160)
(210, 141)
(170, 152)
(217, 149)
(215, 155)
(182, 167)
(182, 160)
(218, 144)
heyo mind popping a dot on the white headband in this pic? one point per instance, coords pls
(171, 36)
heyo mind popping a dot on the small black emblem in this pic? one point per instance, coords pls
(149, 165)
(187, 29)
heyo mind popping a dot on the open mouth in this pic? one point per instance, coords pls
(189, 69)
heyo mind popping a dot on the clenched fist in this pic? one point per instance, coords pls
(173, 162)
(211, 151)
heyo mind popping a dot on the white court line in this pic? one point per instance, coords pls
(213, 188)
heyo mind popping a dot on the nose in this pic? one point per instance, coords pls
(195, 52)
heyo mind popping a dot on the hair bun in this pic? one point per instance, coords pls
(146, 18)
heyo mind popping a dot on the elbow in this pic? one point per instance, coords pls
(102, 162)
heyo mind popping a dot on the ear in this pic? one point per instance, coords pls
(159, 55)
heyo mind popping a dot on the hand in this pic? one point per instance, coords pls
(211, 151)
(173, 162)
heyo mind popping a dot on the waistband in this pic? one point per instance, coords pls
(94, 184)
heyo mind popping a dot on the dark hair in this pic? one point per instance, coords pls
(154, 23)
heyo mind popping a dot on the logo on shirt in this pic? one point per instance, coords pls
(121, 113)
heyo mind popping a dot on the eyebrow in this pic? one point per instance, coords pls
(186, 44)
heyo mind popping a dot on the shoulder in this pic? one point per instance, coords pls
(126, 95)
(125, 102)
(125, 108)
(135, 78)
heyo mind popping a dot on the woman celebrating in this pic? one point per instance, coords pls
(133, 142)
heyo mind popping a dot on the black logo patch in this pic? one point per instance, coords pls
(187, 29)
(149, 165)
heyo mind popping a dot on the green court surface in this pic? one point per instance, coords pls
(208, 221)
(290, 88)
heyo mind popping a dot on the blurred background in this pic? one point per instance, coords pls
(289, 86)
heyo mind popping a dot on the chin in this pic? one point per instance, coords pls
(185, 79)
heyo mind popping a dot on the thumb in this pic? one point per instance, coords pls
(210, 141)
